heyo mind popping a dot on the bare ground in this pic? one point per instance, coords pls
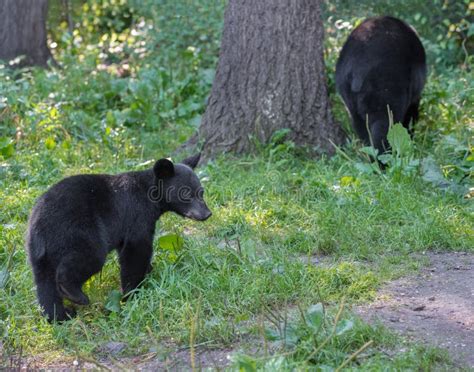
(435, 306)
(172, 360)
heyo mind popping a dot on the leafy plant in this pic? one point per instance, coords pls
(302, 340)
(401, 160)
(398, 162)
(7, 148)
(113, 301)
(171, 246)
(314, 327)
(432, 173)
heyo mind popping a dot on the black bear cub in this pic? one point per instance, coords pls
(382, 65)
(78, 221)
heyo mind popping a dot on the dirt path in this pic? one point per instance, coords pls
(435, 306)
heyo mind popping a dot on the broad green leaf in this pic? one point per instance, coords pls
(7, 148)
(369, 150)
(385, 158)
(275, 364)
(470, 30)
(431, 172)
(343, 326)
(4, 141)
(272, 334)
(244, 363)
(365, 168)
(399, 140)
(414, 163)
(315, 315)
(195, 121)
(113, 301)
(291, 336)
(208, 75)
(8, 151)
(171, 242)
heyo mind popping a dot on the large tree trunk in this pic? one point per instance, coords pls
(23, 31)
(270, 75)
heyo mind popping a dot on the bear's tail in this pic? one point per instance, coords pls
(35, 246)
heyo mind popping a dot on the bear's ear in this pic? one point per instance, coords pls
(163, 168)
(192, 161)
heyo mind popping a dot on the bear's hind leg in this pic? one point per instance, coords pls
(73, 271)
(51, 301)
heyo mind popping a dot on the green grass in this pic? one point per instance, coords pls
(274, 211)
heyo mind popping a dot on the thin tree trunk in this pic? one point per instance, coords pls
(23, 31)
(68, 15)
(270, 75)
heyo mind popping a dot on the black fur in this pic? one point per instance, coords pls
(381, 64)
(78, 221)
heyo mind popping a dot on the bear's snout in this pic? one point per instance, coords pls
(199, 214)
(207, 215)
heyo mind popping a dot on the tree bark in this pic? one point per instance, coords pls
(270, 75)
(23, 31)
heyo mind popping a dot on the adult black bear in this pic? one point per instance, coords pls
(382, 65)
(78, 221)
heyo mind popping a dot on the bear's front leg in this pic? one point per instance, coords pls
(134, 261)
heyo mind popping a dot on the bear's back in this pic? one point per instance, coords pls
(383, 51)
(69, 209)
(74, 201)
